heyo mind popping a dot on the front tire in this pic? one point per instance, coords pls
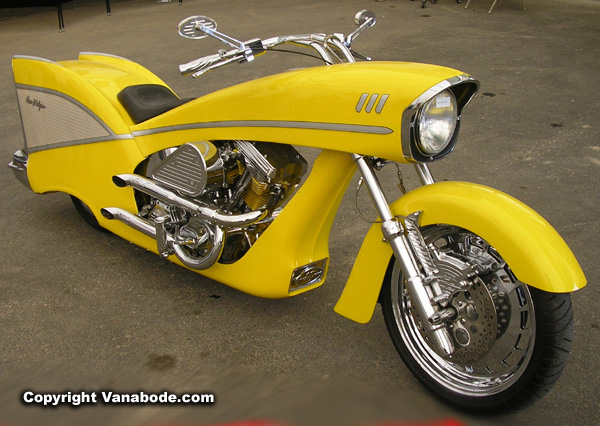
(512, 341)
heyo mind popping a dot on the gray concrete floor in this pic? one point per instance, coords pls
(83, 310)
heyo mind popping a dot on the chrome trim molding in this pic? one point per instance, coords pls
(306, 275)
(19, 167)
(464, 88)
(80, 142)
(308, 125)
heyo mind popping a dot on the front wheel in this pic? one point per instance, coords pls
(511, 341)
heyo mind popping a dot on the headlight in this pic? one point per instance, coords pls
(431, 122)
(436, 123)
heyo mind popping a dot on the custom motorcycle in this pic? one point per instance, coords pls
(474, 285)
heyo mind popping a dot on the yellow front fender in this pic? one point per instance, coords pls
(535, 252)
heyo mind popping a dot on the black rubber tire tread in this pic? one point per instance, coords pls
(85, 213)
(554, 334)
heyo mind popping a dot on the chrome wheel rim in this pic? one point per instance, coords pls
(480, 367)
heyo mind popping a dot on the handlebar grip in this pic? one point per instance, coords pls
(200, 64)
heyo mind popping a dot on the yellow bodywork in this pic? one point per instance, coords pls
(535, 252)
(316, 107)
(277, 107)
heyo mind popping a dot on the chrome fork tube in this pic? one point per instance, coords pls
(393, 233)
(424, 174)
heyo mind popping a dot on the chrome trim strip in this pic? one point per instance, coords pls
(308, 125)
(79, 142)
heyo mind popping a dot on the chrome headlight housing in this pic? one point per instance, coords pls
(430, 124)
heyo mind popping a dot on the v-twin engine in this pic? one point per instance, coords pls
(210, 201)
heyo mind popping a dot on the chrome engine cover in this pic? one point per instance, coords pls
(185, 170)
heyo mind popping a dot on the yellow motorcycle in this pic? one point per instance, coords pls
(474, 285)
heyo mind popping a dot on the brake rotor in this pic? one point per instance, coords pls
(474, 329)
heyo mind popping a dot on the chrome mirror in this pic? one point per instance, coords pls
(194, 27)
(365, 17)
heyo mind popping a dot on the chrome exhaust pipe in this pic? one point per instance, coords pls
(166, 245)
(136, 222)
(206, 212)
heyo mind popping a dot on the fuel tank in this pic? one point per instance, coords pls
(353, 107)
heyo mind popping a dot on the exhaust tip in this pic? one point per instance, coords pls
(107, 214)
(119, 181)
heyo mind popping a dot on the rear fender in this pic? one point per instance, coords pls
(534, 250)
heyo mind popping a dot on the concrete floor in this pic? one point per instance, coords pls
(84, 310)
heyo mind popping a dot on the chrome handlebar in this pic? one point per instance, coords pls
(332, 49)
(207, 63)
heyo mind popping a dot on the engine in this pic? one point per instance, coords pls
(211, 201)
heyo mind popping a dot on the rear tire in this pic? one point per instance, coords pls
(86, 213)
(509, 359)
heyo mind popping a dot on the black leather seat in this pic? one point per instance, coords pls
(145, 101)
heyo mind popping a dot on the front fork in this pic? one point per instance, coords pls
(412, 255)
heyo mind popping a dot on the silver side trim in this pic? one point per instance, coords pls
(79, 142)
(308, 125)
